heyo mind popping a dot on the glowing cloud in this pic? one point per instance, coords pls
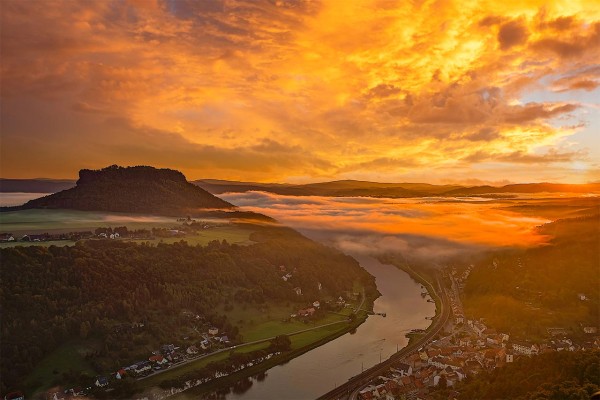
(303, 90)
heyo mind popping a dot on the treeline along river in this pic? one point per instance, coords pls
(320, 370)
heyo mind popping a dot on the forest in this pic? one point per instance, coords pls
(90, 291)
(555, 284)
(551, 376)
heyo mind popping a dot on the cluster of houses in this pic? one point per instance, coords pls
(470, 348)
(45, 237)
(104, 382)
(6, 237)
(307, 312)
(100, 233)
(230, 369)
(316, 305)
(168, 356)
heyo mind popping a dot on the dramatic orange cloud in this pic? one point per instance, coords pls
(303, 90)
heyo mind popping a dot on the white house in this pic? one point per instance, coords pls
(403, 369)
(510, 357)
(142, 367)
(479, 328)
(525, 348)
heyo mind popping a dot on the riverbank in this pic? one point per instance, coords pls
(331, 365)
(301, 342)
(422, 277)
(351, 388)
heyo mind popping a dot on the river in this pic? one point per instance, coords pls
(320, 370)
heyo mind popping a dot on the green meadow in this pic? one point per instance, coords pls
(39, 221)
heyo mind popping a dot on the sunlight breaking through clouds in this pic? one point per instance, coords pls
(303, 90)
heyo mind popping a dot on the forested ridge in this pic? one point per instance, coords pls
(543, 284)
(53, 295)
(551, 376)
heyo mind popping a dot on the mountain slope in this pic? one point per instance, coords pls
(140, 189)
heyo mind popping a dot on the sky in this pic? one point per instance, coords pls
(300, 91)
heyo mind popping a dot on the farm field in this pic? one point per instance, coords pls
(259, 323)
(36, 221)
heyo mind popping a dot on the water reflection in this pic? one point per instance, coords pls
(325, 367)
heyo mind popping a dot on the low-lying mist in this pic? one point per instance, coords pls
(420, 229)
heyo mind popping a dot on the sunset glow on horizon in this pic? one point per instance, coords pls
(299, 91)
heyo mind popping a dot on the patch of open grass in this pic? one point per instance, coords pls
(55, 221)
(306, 338)
(261, 322)
(36, 221)
(67, 358)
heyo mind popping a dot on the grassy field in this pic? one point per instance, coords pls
(65, 359)
(24, 222)
(57, 221)
(256, 323)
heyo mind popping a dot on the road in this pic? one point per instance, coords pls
(350, 389)
(175, 366)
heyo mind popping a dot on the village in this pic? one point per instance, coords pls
(168, 356)
(466, 348)
(212, 342)
(99, 233)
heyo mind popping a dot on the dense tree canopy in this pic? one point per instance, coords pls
(52, 295)
(556, 376)
(511, 288)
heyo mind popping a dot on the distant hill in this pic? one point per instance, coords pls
(140, 189)
(217, 186)
(351, 188)
(527, 188)
(342, 188)
(40, 185)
